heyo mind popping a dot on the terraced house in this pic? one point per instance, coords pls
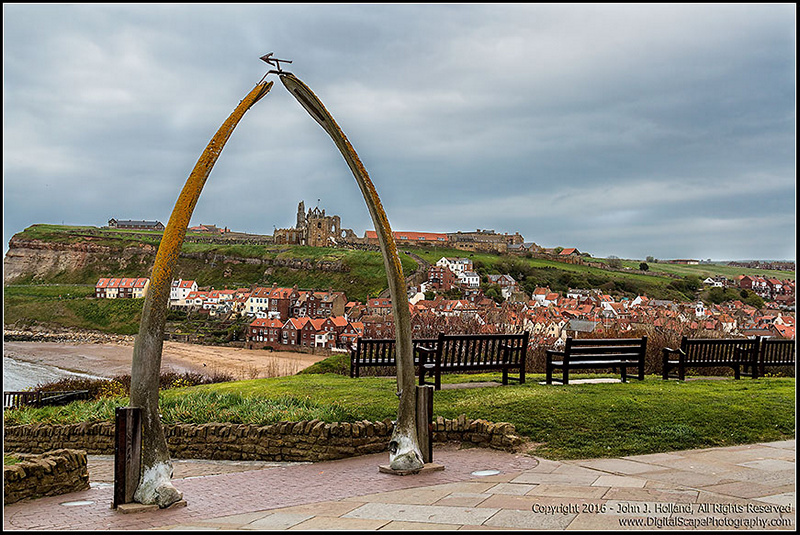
(121, 288)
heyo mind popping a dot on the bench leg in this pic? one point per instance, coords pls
(505, 376)
(565, 376)
(736, 373)
(624, 373)
(548, 380)
(437, 379)
(681, 372)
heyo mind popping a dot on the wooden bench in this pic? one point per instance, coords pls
(596, 354)
(775, 352)
(474, 352)
(378, 352)
(736, 353)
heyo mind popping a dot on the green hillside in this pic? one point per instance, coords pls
(60, 296)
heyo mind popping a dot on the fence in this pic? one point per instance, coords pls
(15, 400)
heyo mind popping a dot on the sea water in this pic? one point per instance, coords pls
(19, 375)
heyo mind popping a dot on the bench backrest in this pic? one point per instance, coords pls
(610, 349)
(777, 351)
(381, 351)
(476, 349)
(719, 350)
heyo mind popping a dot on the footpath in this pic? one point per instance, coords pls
(740, 487)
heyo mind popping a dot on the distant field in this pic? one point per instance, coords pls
(709, 270)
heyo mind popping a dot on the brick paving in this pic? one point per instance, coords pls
(740, 487)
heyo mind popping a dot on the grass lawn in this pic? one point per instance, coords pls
(565, 422)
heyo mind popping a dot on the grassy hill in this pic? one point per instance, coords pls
(57, 294)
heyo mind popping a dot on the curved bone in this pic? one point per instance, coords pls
(406, 453)
(154, 485)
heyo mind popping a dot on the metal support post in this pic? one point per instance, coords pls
(127, 454)
(425, 422)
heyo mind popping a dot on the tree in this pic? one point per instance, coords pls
(614, 262)
(643, 266)
(493, 291)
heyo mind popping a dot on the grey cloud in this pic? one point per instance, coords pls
(611, 128)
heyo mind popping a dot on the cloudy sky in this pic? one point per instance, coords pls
(627, 130)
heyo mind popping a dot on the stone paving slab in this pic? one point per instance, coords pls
(527, 494)
(617, 466)
(432, 514)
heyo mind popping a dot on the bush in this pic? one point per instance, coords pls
(336, 363)
(120, 385)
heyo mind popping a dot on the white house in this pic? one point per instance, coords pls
(544, 297)
(469, 279)
(181, 289)
(456, 265)
(140, 288)
(258, 303)
(699, 309)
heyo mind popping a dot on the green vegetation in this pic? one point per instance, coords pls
(360, 274)
(68, 306)
(8, 460)
(57, 299)
(576, 421)
(531, 273)
(704, 271)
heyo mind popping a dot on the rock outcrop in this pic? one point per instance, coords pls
(40, 260)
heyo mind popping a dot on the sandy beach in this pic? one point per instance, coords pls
(109, 360)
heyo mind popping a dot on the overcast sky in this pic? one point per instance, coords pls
(627, 130)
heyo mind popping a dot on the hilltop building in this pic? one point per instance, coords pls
(313, 228)
(130, 224)
(485, 240)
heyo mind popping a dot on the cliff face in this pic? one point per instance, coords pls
(42, 260)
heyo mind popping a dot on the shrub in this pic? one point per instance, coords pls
(336, 363)
(121, 385)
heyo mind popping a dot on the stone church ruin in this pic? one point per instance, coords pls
(315, 229)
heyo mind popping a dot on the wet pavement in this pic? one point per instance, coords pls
(739, 487)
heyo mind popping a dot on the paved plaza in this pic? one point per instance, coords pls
(739, 487)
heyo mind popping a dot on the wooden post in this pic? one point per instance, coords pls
(127, 454)
(425, 422)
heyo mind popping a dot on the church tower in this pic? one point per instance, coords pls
(301, 215)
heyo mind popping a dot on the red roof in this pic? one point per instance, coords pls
(411, 236)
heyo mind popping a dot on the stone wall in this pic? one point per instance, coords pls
(285, 441)
(56, 472)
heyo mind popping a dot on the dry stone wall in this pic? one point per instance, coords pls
(312, 440)
(53, 473)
